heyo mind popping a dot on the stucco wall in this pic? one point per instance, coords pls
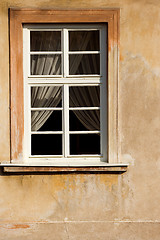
(95, 206)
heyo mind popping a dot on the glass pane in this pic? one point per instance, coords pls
(84, 144)
(44, 64)
(46, 96)
(84, 120)
(45, 40)
(46, 120)
(42, 144)
(88, 96)
(84, 64)
(84, 40)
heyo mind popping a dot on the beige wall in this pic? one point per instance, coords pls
(95, 206)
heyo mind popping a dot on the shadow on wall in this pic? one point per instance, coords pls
(84, 172)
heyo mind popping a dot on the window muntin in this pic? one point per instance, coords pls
(68, 133)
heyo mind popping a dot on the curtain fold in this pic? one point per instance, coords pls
(43, 97)
(75, 62)
(44, 65)
(86, 96)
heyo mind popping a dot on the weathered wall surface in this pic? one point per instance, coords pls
(95, 206)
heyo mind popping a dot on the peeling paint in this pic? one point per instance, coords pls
(17, 226)
(127, 158)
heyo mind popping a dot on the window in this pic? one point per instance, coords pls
(65, 97)
(64, 86)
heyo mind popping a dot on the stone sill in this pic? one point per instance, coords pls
(21, 168)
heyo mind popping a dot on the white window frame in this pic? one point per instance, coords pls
(17, 19)
(65, 80)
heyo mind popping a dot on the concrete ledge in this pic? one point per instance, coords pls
(27, 169)
(81, 230)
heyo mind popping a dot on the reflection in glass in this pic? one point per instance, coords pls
(84, 64)
(45, 40)
(46, 64)
(84, 144)
(84, 40)
(42, 144)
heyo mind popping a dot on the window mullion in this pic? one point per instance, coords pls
(66, 120)
(66, 148)
(65, 53)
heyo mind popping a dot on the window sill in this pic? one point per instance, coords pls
(104, 167)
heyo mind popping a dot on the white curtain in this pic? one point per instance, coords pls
(86, 96)
(46, 64)
(51, 96)
(76, 60)
(43, 97)
(84, 63)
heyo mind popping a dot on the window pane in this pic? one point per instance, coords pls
(84, 144)
(46, 120)
(84, 40)
(84, 120)
(46, 96)
(45, 40)
(84, 64)
(42, 144)
(44, 64)
(88, 96)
